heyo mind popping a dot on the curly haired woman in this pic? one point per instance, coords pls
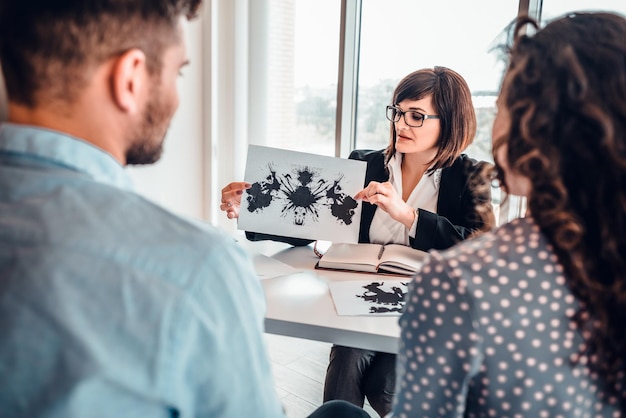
(528, 320)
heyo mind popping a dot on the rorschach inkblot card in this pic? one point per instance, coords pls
(379, 297)
(301, 195)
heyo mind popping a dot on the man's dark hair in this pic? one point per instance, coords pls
(51, 45)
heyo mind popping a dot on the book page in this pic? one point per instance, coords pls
(403, 256)
(343, 253)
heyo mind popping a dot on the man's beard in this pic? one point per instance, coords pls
(147, 144)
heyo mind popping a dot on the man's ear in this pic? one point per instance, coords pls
(128, 77)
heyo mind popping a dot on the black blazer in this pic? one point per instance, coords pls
(457, 215)
(457, 205)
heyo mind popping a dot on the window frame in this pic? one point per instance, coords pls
(348, 69)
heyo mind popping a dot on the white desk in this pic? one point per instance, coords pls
(300, 305)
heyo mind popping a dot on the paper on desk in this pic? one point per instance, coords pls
(369, 297)
(267, 267)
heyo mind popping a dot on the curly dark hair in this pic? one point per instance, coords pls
(565, 92)
(50, 45)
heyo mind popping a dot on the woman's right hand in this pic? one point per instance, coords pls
(231, 198)
(385, 196)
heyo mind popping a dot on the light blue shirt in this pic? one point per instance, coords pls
(111, 306)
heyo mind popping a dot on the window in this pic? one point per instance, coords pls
(303, 55)
(295, 57)
(390, 39)
(298, 62)
(404, 35)
(555, 8)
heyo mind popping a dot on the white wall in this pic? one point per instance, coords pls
(177, 181)
(207, 143)
(230, 98)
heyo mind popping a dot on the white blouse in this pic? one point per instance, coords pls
(384, 229)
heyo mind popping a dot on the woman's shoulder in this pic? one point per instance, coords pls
(468, 171)
(466, 164)
(524, 226)
(503, 238)
(367, 155)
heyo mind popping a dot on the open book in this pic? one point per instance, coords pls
(373, 258)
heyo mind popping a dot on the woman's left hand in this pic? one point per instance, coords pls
(387, 198)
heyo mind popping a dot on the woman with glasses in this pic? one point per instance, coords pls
(421, 191)
(528, 320)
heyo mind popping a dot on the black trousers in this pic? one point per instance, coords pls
(354, 374)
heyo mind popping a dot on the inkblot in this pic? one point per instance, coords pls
(302, 196)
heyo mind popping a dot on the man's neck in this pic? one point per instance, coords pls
(64, 119)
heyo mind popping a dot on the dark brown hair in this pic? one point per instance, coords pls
(452, 100)
(565, 90)
(50, 45)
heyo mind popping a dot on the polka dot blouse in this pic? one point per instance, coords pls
(488, 332)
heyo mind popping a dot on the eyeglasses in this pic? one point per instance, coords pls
(415, 119)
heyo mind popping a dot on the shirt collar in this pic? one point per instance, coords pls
(57, 148)
(395, 170)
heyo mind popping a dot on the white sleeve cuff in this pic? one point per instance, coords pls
(413, 229)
